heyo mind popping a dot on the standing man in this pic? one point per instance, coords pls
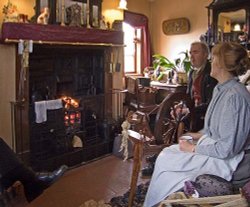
(200, 83)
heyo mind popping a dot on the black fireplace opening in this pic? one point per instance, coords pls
(76, 77)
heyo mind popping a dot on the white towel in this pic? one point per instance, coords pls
(41, 111)
(41, 108)
(54, 104)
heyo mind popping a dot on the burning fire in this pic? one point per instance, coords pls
(70, 102)
(72, 115)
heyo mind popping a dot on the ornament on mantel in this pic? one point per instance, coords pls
(74, 15)
(10, 13)
(103, 23)
(43, 18)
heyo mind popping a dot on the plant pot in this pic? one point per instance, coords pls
(181, 78)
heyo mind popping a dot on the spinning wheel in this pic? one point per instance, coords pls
(166, 126)
(170, 121)
(173, 116)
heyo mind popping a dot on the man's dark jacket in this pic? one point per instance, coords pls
(207, 86)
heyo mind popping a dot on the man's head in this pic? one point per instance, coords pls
(199, 52)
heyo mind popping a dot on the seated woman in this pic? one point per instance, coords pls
(220, 146)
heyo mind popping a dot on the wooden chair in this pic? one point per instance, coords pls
(241, 199)
(240, 196)
(137, 140)
(218, 201)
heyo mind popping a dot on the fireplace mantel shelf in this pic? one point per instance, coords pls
(55, 34)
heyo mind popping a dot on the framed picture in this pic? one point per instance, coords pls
(176, 26)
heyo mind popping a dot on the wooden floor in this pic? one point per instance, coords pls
(98, 180)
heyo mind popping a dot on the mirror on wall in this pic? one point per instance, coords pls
(229, 20)
(232, 26)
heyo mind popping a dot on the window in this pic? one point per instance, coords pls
(132, 51)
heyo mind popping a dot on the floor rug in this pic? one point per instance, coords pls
(122, 201)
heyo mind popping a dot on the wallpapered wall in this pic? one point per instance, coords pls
(172, 45)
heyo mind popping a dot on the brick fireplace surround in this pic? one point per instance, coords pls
(65, 62)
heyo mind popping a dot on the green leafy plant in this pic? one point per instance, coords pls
(179, 64)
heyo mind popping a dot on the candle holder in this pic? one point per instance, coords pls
(88, 14)
(63, 13)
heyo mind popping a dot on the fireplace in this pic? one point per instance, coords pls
(76, 77)
(71, 65)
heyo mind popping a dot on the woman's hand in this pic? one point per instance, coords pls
(186, 145)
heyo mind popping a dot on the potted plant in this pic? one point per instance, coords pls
(178, 68)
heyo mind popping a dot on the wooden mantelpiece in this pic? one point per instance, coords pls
(56, 34)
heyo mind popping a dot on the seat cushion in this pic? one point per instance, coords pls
(207, 186)
(210, 185)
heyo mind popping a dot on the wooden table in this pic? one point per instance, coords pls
(137, 140)
(165, 89)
